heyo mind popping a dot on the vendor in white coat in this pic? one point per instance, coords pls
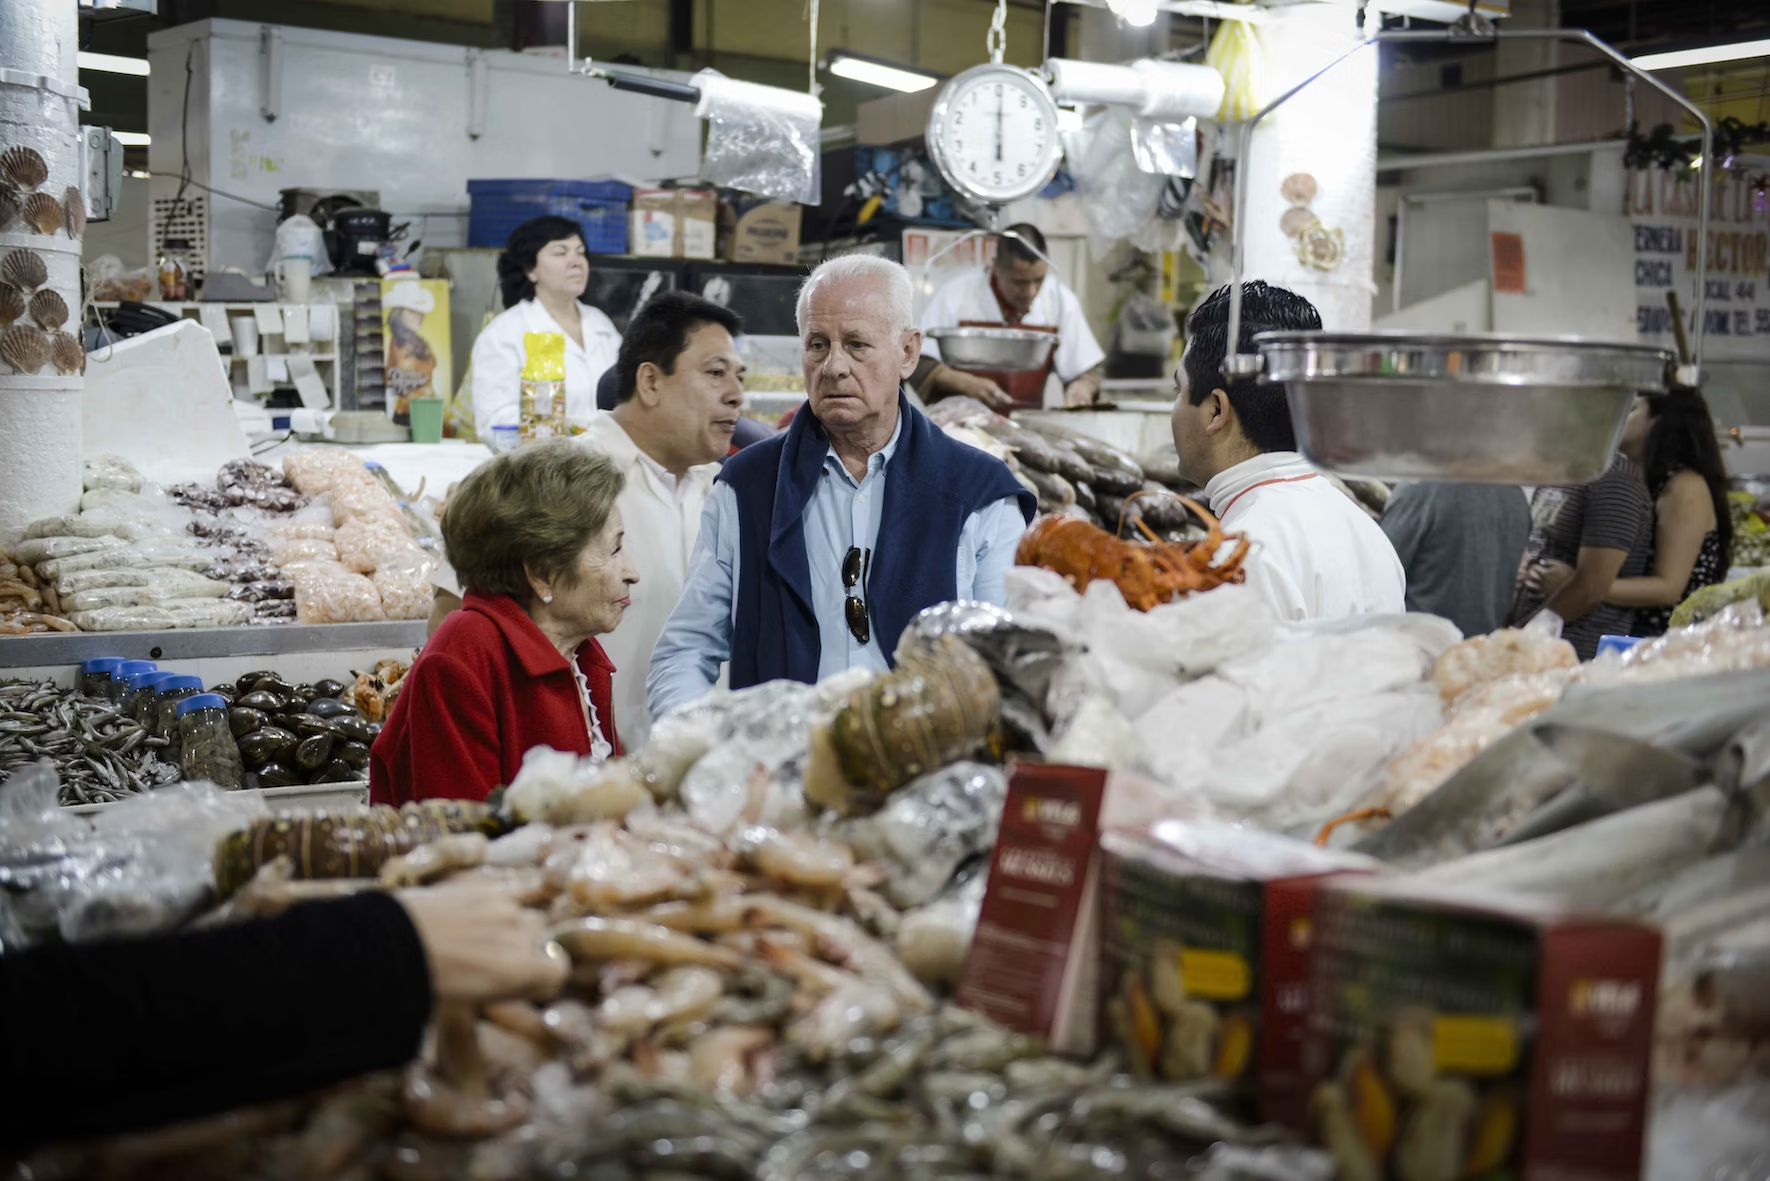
(542, 273)
(1017, 290)
(680, 392)
(1316, 554)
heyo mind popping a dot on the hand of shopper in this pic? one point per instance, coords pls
(483, 946)
(1546, 576)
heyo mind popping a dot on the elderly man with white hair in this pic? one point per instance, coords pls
(818, 546)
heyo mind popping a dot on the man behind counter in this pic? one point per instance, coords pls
(1316, 554)
(680, 389)
(1017, 290)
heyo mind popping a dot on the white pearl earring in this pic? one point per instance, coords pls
(546, 598)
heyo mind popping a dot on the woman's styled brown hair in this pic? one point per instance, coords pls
(533, 509)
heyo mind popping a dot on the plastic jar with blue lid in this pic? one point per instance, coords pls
(207, 746)
(95, 675)
(1617, 644)
(140, 702)
(171, 691)
(121, 674)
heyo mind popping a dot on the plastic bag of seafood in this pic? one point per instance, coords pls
(1458, 1034)
(931, 827)
(1023, 657)
(111, 473)
(139, 866)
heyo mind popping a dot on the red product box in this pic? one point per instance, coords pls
(1206, 934)
(1032, 965)
(1465, 1035)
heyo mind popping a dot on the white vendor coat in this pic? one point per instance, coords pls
(968, 297)
(1316, 555)
(661, 518)
(498, 358)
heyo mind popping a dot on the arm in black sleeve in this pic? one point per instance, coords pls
(114, 1037)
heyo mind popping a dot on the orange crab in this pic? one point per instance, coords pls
(1146, 573)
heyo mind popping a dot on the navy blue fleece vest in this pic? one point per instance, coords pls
(932, 487)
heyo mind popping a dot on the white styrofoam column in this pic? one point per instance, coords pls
(1329, 133)
(40, 104)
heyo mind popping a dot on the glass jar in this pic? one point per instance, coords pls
(172, 690)
(95, 675)
(120, 678)
(207, 746)
(139, 705)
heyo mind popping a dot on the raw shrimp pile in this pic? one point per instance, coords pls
(735, 1010)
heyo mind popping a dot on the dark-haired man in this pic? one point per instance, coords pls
(1014, 291)
(680, 389)
(1316, 554)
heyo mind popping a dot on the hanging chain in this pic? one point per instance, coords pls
(998, 32)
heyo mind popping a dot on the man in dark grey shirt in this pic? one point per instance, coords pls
(1461, 545)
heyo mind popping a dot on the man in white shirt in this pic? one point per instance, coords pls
(680, 393)
(1015, 291)
(1316, 554)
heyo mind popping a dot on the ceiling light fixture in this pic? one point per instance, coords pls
(1677, 58)
(1138, 13)
(878, 73)
(133, 139)
(110, 63)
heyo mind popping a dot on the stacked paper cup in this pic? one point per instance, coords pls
(42, 215)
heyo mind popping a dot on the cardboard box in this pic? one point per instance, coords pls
(754, 230)
(1205, 954)
(1032, 962)
(673, 223)
(1461, 1035)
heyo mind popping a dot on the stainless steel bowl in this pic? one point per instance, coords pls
(1477, 409)
(994, 348)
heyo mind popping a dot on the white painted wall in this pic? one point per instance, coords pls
(1579, 273)
(380, 113)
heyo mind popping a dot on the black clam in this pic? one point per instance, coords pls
(278, 775)
(242, 720)
(330, 707)
(314, 752)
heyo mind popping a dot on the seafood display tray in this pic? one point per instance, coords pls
(69, 648)
(301, 795)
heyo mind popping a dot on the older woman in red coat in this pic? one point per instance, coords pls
(536, 540)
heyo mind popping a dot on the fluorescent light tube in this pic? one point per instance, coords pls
(110, 63)
(1678, 58)
(859, 69)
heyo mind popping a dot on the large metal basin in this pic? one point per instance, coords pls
(1009, 349)
(1478, 409)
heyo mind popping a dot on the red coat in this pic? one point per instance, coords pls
(486, 688)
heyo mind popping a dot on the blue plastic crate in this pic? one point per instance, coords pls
(599, 206)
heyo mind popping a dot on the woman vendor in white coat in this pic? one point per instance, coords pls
(542, 273)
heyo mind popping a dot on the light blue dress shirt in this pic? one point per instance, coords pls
(841, 513)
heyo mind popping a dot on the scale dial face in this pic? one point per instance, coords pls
(993, 134)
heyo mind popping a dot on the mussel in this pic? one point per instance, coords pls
(336, 771)
(328, 688)
(243, 720)
(278, 775)
(249, 681)
(269, 744)
(262, 700)
(308, 725)
(354, 755)
(314, 751)
(331, 707)
(357, 729)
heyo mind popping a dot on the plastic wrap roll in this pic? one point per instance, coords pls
(1096, 82)
(761, 139)
(1175, 90)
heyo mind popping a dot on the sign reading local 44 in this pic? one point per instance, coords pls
(1736, 320)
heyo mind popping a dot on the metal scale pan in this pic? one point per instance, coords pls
(1471, 408)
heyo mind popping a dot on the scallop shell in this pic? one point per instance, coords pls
(23, 167)
(43, 212)
(65, 351)
(21, 268)
(12, 304)
(9, 208)
(49, 310)
(76, 212)
(24, 348)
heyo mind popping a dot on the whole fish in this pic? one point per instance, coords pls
(1483, 802)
